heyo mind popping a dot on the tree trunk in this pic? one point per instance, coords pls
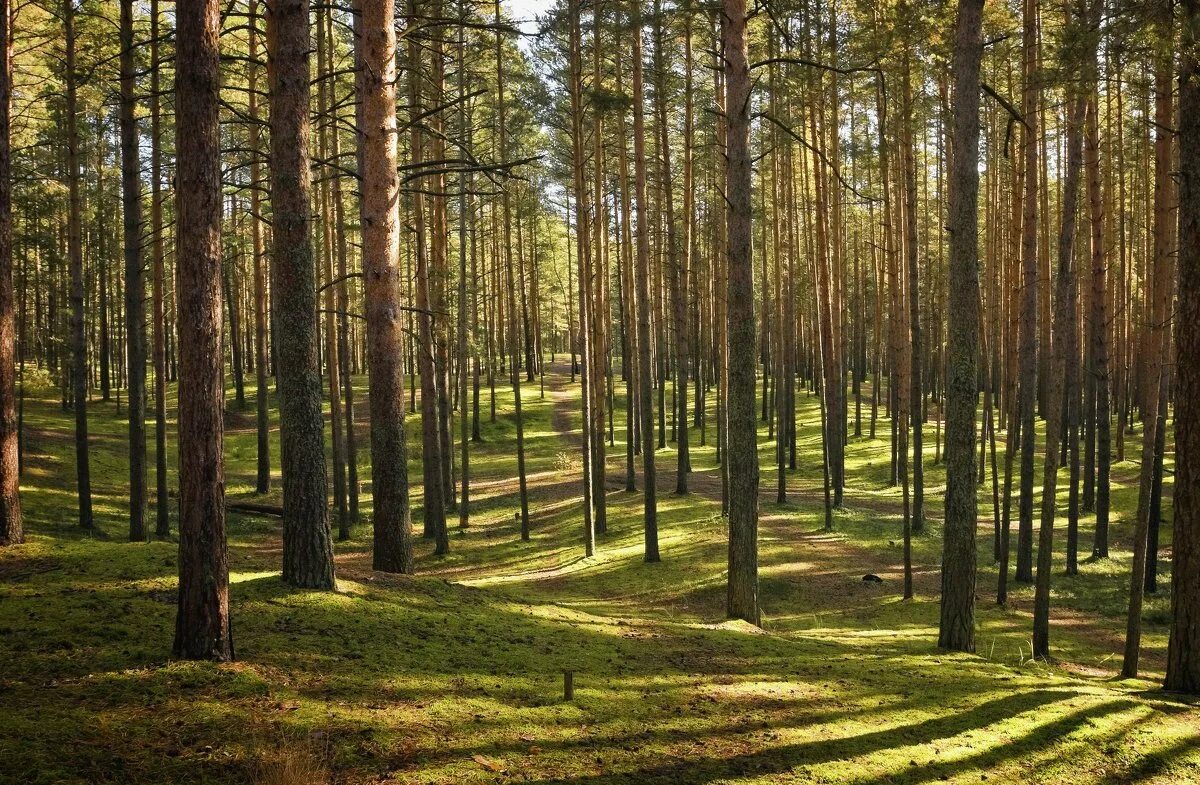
(11, 529)
(162, 501)
(742, 599)
(79, 369)
(643, 305)
(375, 83)
(261, 273)
(1183, 649)
(1028, 350)
(202, 628)
(957, 625)
(135, 319)
(307, 542)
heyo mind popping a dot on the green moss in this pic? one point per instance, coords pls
(456, 675)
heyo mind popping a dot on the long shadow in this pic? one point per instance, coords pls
(785, 758)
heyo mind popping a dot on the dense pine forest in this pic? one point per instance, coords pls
(605, 391)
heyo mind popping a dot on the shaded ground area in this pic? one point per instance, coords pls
(456, 675)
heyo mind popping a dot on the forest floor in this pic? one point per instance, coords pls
(456, 675)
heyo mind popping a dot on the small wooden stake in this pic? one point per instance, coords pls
(568, 685)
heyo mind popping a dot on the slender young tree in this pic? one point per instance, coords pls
(645, 379)
(79, 345)
(135, 289)
(307, 540)
(202, 630)
(162, 502)
(1027, 351)
(742, 598)
(957, 624)
(261, 311)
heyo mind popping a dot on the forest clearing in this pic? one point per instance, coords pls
(599, 391)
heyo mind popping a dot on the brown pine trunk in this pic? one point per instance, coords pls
(307, 543)
(1183, 648)
(261, 264)
(135, 318)
(957, 621)
(11, 529)
(643, 305)
(202, 621)
(375, 83)
(1028, 350)
(79, 369)
(742, 598)
(162, 501)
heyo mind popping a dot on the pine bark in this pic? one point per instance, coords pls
(11, 527)
(202, 629)
(78, 338)
(1183, 648)
(643, 305)
(307, 541)
(742, 598)
(162, 501)
(957, 623)
(135, 288)
(376, 87)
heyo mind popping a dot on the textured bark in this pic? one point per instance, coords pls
(307, 542)
(78, 338)
(957, 621)
(1183, 648)
(202, 629)
(11, 529)
(162, 501)
(135, 288)
(742, 598)
(376, 86)
(643, 305)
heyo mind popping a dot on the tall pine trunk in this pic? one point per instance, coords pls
(135, 289)
(742, 598)
(11, 529)
(375, 83)
(957, 624)
(202, 628)
(307, 542)
(1183, 648)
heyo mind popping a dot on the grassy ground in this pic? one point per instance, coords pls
(456, 675)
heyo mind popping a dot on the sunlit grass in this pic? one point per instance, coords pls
(456, 675)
